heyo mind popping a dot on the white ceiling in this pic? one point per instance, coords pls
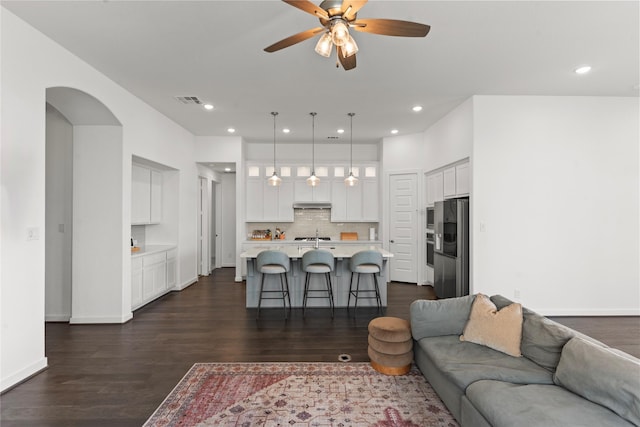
(214, 50)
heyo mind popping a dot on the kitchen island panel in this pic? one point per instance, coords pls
(340, 277)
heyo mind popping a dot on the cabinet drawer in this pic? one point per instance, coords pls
(172, 254)
(136, 263)
(148, 260)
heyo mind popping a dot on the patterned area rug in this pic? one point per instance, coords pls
(300, 394)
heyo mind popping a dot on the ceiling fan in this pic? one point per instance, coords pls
(336, 17)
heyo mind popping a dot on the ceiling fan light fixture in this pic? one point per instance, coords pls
(339, 33)
(324, 45)
(350, 47)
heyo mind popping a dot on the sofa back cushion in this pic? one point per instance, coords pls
(542, 338)
(440, 317)
(603, 375)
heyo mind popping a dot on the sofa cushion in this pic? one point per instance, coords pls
(537, 405)
(542, 338)
(440, 317)
(602, 375)
(500, 330)
(465, 362)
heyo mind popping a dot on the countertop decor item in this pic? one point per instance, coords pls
(269, 394)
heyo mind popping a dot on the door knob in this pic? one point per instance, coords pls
(391, 241)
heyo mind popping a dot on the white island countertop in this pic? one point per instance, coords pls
(295, 251)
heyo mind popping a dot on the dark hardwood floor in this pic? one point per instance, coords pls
(116, 375)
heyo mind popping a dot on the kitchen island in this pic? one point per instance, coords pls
(339, 278)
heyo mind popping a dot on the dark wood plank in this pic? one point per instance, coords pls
(116, 375)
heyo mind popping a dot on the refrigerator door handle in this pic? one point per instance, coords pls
(438, 241)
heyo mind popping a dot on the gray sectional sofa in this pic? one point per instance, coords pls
(562, 379)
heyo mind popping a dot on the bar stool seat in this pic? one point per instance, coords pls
(274, 262)
(318, 261)
(365, 262)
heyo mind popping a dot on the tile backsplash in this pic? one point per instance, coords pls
(306, 221)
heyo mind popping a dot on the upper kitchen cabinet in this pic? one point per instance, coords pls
(303, 192)
(267, 203)
(359, 203)
(146, 195)
(449, 182)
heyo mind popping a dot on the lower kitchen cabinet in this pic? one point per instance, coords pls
(152, 275)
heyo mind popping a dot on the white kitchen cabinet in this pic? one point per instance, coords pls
(156, 197)
(267, 203)
(462, 179)
(359, 203)
(449, 182)
(146, 195)
(172, 273)
(140, 195)
(136, 282)
(434, 188)
(152, 275)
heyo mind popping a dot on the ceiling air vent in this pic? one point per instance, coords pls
(333, 137)
(189, 99)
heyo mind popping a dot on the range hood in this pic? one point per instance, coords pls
(312, 205)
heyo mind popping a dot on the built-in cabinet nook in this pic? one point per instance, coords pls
(154, 230)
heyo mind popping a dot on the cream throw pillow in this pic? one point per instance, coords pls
(499, 330)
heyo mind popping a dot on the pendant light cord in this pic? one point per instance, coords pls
(274, 114)
(351, 143)
(313, 143)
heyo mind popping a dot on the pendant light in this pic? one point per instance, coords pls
(313, 180)
(351, 180)
(274, 180)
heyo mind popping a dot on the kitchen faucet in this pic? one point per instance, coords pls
(317, 245)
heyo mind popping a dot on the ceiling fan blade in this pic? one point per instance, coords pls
(348, 63)
(351, 7)
(307, 6)
(391, 27)
(291, 40)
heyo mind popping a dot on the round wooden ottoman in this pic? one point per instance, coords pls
(390, 345)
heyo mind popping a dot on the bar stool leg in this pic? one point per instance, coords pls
(378, 298)
(330, 291)
(284, 292)
(260, 296)
(306, 292)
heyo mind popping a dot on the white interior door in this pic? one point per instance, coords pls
(403, 227)
(203, 229)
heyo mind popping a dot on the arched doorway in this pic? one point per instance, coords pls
(84, 217)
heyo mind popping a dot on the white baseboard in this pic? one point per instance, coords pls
(57, 318)
(238, 278)
(101, 319)
(185, 285)
(23, 374)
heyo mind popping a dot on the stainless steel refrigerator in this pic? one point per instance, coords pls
(451, 248)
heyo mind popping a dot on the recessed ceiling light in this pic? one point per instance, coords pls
(227, 169)
(340, 130)
(231, 130)
(286, 130)
(208, 107)
(394, 131)
(584, 69)
(417, 108)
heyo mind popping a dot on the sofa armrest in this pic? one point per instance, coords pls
(439, 317)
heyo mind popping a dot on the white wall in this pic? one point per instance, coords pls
(450, 139)
(556, 184)
(324, 151)
(31, 63)
(59, 153)
(98, 294)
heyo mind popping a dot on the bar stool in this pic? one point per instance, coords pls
(318, 261)
(365, 262)
(274, 262)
